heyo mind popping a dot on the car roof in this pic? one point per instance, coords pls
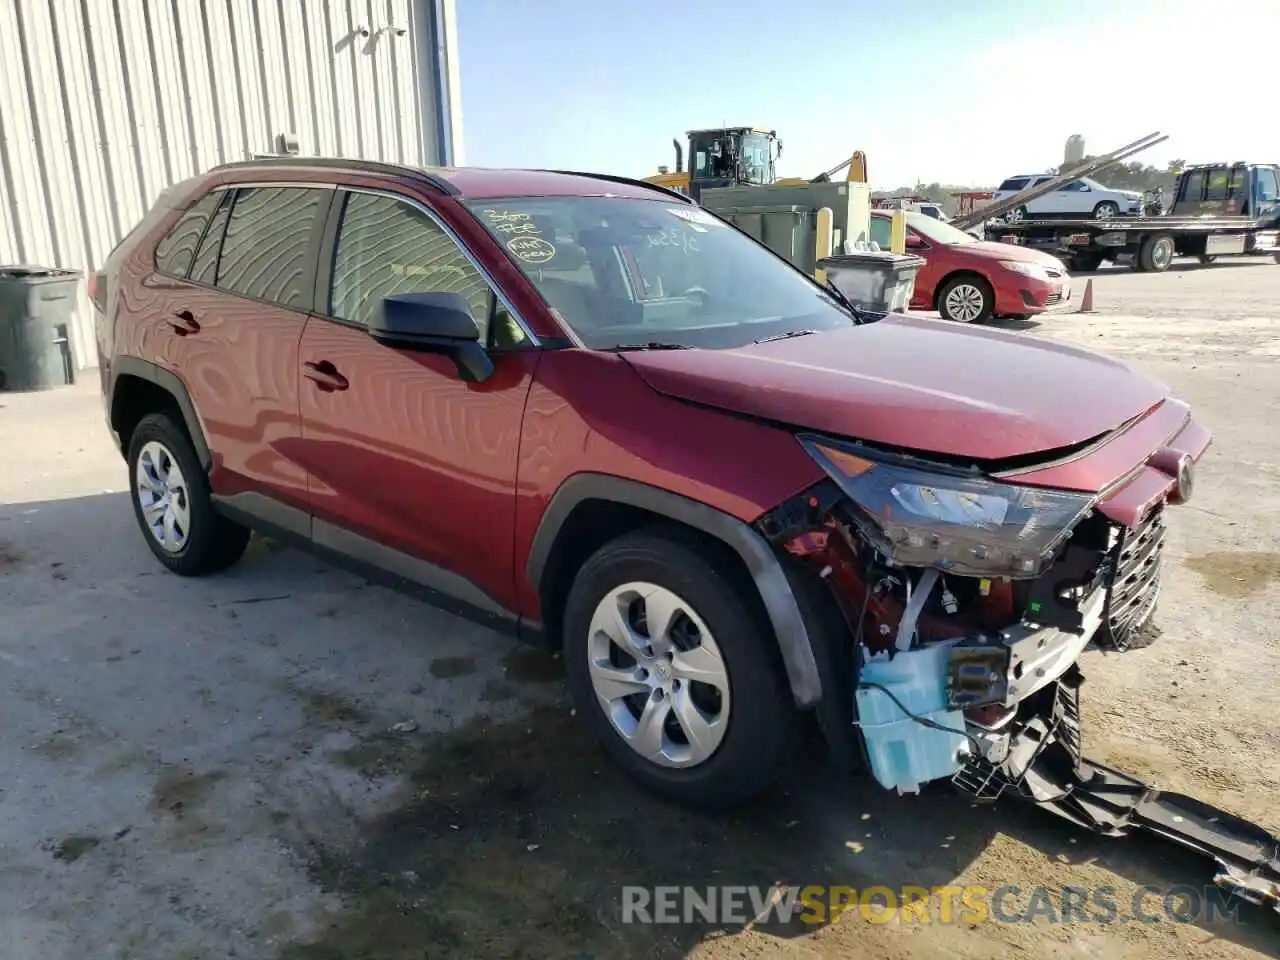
(472, 182)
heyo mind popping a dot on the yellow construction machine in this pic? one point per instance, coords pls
(739, 156)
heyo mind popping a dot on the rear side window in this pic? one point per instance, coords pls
(1014, 184)
(267, 252)
(1219, 180)
(177, 248)
(205, 267)
(1193, 186)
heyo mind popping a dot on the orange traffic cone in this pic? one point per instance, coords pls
(1086, 302)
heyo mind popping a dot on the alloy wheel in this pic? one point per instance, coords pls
(658, 675)
(1106, 211)
(162, 494)
(964, 302)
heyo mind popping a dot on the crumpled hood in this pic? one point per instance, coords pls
(924, 385)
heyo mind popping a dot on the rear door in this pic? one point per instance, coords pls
(1050, 203)
(232, 333)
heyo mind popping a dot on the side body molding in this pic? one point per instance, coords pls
(770, 579)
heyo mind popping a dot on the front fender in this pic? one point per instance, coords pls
(757, 555)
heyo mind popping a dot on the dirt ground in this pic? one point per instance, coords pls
(285, 762)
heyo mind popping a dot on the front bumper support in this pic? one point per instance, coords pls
(1045, 765)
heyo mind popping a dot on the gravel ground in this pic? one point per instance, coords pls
(285, 762)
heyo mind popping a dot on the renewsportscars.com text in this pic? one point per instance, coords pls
(967, 904)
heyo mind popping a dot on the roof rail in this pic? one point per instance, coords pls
(630, 181)
(431, 180)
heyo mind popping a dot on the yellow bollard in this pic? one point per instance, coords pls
(898, 232)
(826, 234)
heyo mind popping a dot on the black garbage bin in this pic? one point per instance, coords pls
(36, 304)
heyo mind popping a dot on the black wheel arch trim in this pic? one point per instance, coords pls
(172, 384)
(789, 624)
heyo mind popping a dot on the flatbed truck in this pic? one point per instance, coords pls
(1218, 210)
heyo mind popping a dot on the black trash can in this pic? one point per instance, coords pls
(36, 304)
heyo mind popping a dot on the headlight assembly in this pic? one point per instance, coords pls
(1026, 269)
(924, 516)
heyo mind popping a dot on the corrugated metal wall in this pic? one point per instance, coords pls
(103, 103)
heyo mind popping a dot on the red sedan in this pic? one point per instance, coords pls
(972, 280)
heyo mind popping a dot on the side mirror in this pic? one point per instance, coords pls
(914, 242)
(437, 323)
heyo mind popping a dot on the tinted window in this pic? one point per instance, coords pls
(1014, 184)
(266, 252)
(387, 246)
(1074, 185)
(177, 248)
(205, 266)
(1193, 186)
(1219, 179)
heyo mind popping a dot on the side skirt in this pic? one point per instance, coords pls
(375, 562)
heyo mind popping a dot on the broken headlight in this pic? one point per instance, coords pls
(923, 515)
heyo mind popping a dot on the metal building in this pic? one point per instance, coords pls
(104, 103)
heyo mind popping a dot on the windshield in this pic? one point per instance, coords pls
(937, 230)
(755, 158)
(628, 272)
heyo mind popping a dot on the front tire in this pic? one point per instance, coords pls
(967, 299)
(172, 502)
(675, 669)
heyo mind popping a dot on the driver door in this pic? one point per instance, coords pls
(411, 468)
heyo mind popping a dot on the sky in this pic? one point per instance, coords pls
(963, 92)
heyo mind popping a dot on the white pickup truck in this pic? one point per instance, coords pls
(1076, 199)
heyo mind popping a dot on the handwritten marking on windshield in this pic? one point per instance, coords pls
(676, 239)
(511, 222)
(531, 249)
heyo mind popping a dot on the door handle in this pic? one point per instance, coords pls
(325, 375)
(184, 322)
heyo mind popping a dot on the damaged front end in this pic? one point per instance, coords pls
(964, 603)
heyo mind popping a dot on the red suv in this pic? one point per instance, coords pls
(587, 411)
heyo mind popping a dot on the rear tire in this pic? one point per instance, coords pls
(1106, 211)
(744, 730)
(172, 502)
(1156, 253)
(967, 299)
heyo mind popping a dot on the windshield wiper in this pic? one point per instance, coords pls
(785, 336)
(859, 315)
(651, 345)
